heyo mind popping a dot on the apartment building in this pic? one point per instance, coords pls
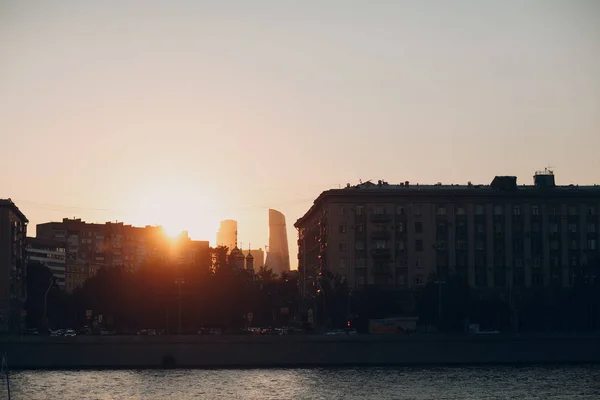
(13, 268)
(50, 253)
(493, 236)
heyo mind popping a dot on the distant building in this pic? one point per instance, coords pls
(227, 234)
(13, 268)
(499, 236)
(278, 253)
(49, 253)
(79, 271)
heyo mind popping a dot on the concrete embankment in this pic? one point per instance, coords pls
(295, 351)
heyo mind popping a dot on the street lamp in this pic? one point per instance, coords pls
(179, 282)
(52, 284)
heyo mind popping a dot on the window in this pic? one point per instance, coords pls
(535, 210)
(379, 210)
(517, 210)
(419, 281)
(400, 245)
(359, 210)
(342, 210)
(402, 262)
(537, 263)
(498, 228)
(360, 263)
(538, 279)
(572, 210)
(461, 245)
(401, 280)
(343, 228)
(418, 227)
(498, 209)
(479, 228)
(518, 262)
(343, 246)
(535, 227)
(361, 281)
(479, 209)
(400, 210)
(591, 227)
(591, 244)
(380, 244)
(417, 211)
(554, 245)
(342, 263)
(460, 210)
(418, 245)
(553, 228)
(441, 245)
(591, 211)
(480, 245)
(572, 228)
(574, 261)
(360, 245)
(418, 263)
(400, 227)
(553, 211)
(441, 210)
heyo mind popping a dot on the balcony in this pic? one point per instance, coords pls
(380, 253)
(381, 218)
(382, 235)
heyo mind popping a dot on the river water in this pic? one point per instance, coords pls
(496, 382)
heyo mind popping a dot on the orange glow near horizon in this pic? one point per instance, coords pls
(175, 205)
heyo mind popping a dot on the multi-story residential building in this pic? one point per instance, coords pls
(13, 267)
(50, 253)
(493, 236)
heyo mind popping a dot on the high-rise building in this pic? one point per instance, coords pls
(13, 267)
(227, 234)
(49, 253)
(500, 236)
(278, 253)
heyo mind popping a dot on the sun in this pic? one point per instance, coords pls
(176, 206)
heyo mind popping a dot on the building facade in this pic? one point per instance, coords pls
(50, 253)
(258, 258)
(278, 253)
(88, 247)
(227, 234)
(493, 236)
(13, 268)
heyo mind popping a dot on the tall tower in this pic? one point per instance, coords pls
(278, 255)
(227, 234)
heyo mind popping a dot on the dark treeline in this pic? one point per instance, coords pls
(216, 295)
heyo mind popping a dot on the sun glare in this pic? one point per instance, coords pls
(176, 206)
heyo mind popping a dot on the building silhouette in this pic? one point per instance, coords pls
(258, 258)
(13, 267)
(227, 234)
(278, 254)
(499, 236)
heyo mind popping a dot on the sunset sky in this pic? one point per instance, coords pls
(183, 113)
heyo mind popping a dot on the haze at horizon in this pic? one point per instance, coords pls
(185, 113)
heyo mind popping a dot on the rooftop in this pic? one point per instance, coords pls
(10, 204)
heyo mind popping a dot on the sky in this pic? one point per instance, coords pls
(184, 113)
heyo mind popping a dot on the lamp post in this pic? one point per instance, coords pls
(179, 282)
(52, 284)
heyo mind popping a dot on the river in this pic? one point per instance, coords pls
(493, 382)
